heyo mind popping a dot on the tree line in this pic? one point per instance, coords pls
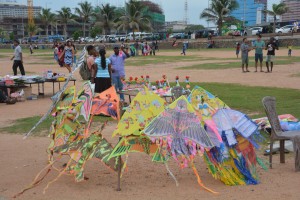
(106, 17)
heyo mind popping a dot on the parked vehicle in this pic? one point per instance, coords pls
(254, 31)
(284, 29)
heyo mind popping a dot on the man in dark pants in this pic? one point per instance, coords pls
(18, 59)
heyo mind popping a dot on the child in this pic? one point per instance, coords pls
(183, 49)
(245, 50)
(31, 48)
(237, 49)
(56, 53)
(290, 47)
(60, 57)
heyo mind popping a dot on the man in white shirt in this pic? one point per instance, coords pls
(18, 59)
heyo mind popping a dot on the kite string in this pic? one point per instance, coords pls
(36, 181)
(171, 174)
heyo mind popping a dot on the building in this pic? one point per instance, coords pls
(176, 25)
(294, 11)
(14, 9)
(251, 12)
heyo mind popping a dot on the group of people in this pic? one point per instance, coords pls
(259, 45)
(147, 49)
(104, 71)
(65, 54)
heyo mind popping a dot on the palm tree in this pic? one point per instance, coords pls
(47, 17)
(219, 10)
(65, 16)
(134, 17)
(33, 29)
(85, 11)
(277, 10)
(106, 18)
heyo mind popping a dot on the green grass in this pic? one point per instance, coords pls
(283, 60)
(42, 63)
(26, 50)
(144, 60)
(23, 125)
(248, 99)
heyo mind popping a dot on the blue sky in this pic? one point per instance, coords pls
(174, 9)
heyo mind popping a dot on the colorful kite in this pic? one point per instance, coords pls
(56, 98)
(71, 136)
(233, 162)
(107, 103)
(178, 133)
(143, 108)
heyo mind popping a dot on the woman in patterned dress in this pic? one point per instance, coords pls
(68, 56)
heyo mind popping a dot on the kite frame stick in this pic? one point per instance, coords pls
(119, 171)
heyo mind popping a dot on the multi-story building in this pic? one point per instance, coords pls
(251, 12)
(13, 9)
(176, 25)
(294, 11)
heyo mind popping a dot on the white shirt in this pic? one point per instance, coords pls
(18, 51)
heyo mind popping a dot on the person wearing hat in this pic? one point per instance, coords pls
(18, 59)
(117, 61)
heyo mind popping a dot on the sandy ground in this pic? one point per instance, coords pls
(22, 159)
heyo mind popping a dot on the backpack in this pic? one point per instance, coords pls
(84, 71)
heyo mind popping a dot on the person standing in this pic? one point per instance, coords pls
(31, 48)
(118, 70)
(90, 61)
(183, 48)
(270, 47)
(68, 54)
(18, 59)
(258, 46)
(103, 75)
(136, 46)
(290, 47)
(237, 49)
(245, 50)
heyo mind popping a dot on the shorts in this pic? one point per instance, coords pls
(270, 58)
(237, 52)
(245, 60)
(258, 57)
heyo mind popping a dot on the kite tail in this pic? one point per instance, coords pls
(200, 182)
(36, 180)
(124, 164)
(171, 174)
(59, 175)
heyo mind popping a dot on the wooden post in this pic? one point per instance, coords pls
(282, 156)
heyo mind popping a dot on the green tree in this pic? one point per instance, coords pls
(11, 36)
(277, 10)
(193, 28)
(66, 16)
(95, 31)
(85, 11)
(134, 17)
(47, 18)
(77, 34)
(33, 29)
(105, 18)
(219, 10)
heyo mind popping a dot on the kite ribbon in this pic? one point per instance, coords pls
(199, 180)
